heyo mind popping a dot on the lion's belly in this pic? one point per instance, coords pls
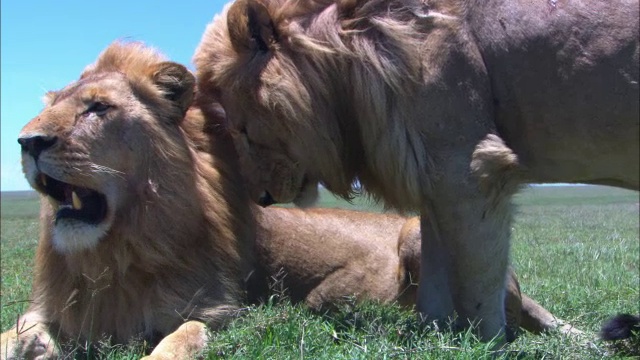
(565, 86)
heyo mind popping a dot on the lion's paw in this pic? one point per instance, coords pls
(187, 342)
(27, 341)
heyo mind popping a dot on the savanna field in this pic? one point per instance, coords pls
(576, 251)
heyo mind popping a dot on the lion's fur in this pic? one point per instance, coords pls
(445, 107)
(328, 257)
(173, 207)
(328, 254)
(306, 84)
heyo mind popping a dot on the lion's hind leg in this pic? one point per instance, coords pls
(536, 319)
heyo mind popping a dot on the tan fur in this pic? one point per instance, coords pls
(189, 339)
(444, 107)
(324, 257)
(329, 254)
(177, 238)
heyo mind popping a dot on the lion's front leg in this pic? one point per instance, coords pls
(434, 301)
(187, 342)
(465, 269)
(29, 339)
(471, 218)
(479, 270)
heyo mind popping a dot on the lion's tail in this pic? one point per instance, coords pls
(621, 326)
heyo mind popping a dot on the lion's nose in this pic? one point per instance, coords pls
(266, 199)
(35, 144)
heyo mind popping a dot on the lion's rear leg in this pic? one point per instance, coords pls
(537, 319)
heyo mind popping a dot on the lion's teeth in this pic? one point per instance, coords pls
(43, 179)
(77, 203)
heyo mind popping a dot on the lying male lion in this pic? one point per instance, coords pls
(441, 106)
(142, 234)
(146, 229)
(322, 256)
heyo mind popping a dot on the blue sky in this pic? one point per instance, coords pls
(46, 44)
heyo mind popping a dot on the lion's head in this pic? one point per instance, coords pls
(299, 81)
(117, 146)
(257, 68)
(98, 142)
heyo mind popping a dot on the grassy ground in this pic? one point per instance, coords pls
(575, 249)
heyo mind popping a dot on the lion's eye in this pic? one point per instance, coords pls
(99, 108)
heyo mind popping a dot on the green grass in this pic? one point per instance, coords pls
(575, 249)
(18, 240)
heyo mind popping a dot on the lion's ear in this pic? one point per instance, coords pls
(250, 26)
(176, 82)
(49, 97)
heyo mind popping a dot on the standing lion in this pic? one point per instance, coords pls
(441, 106)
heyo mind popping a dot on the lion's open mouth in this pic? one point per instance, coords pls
(76, 202)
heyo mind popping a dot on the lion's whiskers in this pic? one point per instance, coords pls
(95, 168)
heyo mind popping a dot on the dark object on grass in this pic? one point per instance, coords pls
(621, 326)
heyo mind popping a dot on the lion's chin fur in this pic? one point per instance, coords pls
(72, 236)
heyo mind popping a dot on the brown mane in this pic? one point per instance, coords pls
(334, 40)
(123, 286)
